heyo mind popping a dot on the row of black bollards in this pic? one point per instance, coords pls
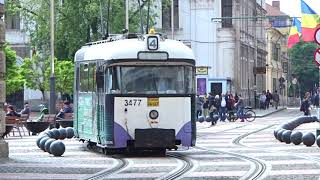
(50, 141)
(285, 133)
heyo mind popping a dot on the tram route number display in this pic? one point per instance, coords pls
(153, 102)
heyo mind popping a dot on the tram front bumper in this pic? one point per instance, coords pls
(154, 138)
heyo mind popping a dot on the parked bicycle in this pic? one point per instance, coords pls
(248, 113)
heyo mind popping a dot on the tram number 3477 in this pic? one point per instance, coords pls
(132, 102)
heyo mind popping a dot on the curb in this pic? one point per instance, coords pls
(267, 114)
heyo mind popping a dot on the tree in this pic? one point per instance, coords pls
(34, 72)
(64, 75)
(13, 78)
(303, 65)
(76, 22)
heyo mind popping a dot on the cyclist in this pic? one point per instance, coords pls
(240, 107)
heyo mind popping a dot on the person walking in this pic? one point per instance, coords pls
(205, 106)
(223, 108)
(276, 99)
(262, 100)
(305, 105)
(199, 106)
(268, 99)
(240, 108)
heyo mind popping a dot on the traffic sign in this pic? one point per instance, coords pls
(317, 36)
(317, 56)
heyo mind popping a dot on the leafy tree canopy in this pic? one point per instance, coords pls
(76, 21)
(303, 65)
(13, 78)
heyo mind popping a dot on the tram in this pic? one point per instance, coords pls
(135, 92)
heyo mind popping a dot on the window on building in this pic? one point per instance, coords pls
(274, 84)
(275, 51)
(12, 21)
(226, 9)
(166, 14)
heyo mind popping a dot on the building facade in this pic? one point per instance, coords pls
(278, 64)
(228, 51)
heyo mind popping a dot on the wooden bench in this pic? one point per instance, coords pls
(14, 121)
(67, 120)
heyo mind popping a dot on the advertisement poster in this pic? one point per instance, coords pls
(201, 86)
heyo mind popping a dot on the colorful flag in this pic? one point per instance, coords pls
(295, 31)
(310, 22)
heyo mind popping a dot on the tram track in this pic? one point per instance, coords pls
(258, 167)
(306, 157)
(186, 166)
(121, 165)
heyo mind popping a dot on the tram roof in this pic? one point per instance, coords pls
(129, 49)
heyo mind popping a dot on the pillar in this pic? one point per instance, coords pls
(4, 149)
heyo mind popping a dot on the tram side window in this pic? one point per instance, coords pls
(92, 77)
(84, 74)
(87, 77)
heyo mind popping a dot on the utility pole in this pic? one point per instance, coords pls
(4, 148)
(172, 19)
(127, 15)
(52, 109)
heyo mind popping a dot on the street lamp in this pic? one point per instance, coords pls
(52, 108)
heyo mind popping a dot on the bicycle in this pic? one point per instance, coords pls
(248, 113)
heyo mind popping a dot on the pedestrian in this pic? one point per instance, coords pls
(230, 106)
(11, 111)
(305, 105)
(66, 109)
(316, 99)
(236, 98)
(240, 108)
(26, 109)
(223, 108)
(199, 106)
(276, 99)
(205, 106)
(262, 100)
(268, 99)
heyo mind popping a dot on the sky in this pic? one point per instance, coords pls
(292, 7)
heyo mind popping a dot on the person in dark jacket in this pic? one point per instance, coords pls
(268, 99)
(66, 109)
(240, 108)
(276, 99)
(305, 105)
(26, 109)
(12, 112)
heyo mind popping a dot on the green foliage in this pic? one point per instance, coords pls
(303, 65)
(34, 72)
(64, 75)
(14, 81)
(76, 22)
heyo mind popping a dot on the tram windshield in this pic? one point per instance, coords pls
(150, 80)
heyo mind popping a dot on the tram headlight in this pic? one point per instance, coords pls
(153, 114)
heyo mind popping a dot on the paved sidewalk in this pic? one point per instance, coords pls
(263, 113)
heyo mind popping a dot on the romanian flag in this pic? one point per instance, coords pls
(310, 22)
(295, 31)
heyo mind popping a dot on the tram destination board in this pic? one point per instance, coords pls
(153, 102)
